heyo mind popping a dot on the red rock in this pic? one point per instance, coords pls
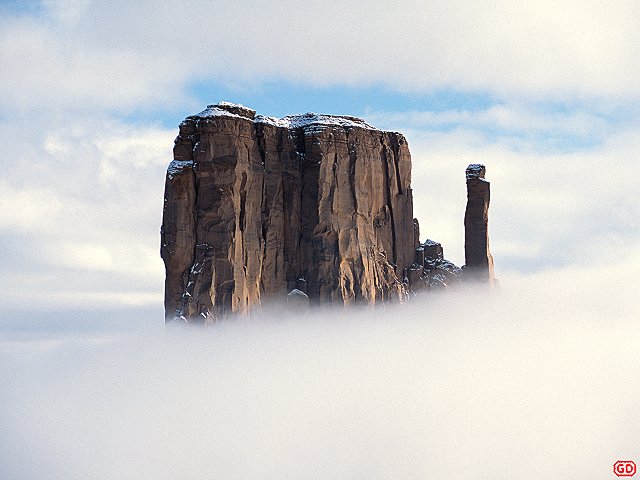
(308, 209)
(256, 207)
(478, 259)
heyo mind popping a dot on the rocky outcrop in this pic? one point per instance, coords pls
(431, 270)
(307, 209)
(257, 207)
(478, 259)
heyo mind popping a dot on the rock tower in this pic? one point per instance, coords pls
(478, 259)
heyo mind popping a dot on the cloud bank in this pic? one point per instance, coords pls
(534, 381)
(119, 55)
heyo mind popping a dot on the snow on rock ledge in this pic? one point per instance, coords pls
(227, 109)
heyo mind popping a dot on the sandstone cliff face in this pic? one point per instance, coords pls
(256, 207)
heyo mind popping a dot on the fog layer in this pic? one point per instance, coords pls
(536, 380)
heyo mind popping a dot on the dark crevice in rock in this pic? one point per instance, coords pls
(353, 158)
(243, 201)
(332, 191)
(395, 149)
(389, 198)
(259, 130)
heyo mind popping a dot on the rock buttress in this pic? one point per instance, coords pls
(256, 207)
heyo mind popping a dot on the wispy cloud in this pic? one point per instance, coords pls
(82, 197)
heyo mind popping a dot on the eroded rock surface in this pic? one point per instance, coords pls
(478, 259)
(431, 270)
(256, 207)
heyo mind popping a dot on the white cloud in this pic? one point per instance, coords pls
(45, 66)
(521, 125)
(130, 54)
(27, 209)
(86, 256)
(81, 211)
(562, 183)
(532, 385)
(66, 12)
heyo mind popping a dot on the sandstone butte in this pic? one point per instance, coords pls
(309, 209)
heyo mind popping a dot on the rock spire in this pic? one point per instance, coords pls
(478, 259)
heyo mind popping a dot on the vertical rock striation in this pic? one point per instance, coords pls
(256, 207)
(478, 259)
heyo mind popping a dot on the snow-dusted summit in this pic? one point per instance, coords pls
(227, 109)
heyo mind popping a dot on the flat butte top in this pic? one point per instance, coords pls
(227, 109)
